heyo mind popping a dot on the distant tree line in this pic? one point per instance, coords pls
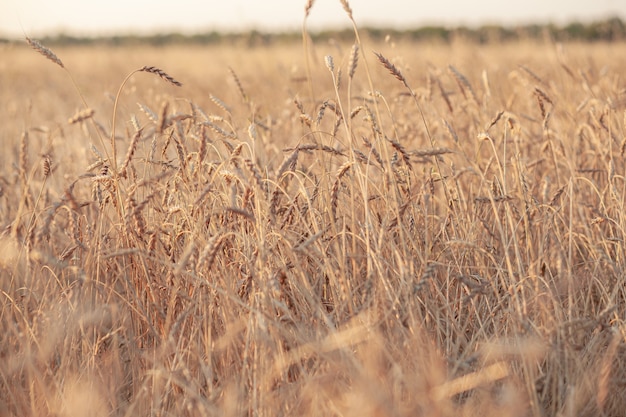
(609, 30)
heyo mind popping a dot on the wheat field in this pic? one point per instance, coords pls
(376, 229)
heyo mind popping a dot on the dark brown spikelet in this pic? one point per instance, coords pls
(390, 67)
(44, 51)
(162, 74)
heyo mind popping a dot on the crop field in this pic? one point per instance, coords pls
(313, 229)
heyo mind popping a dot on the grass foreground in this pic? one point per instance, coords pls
(313, 229)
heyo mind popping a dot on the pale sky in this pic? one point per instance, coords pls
(106, 17)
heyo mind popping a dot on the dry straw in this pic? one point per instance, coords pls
(285, 265)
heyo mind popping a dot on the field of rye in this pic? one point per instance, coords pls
(377, 229)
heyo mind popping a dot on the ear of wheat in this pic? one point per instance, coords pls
(44, 51)
(162, 74)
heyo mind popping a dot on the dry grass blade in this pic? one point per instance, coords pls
(44, 51)
(164, 75)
